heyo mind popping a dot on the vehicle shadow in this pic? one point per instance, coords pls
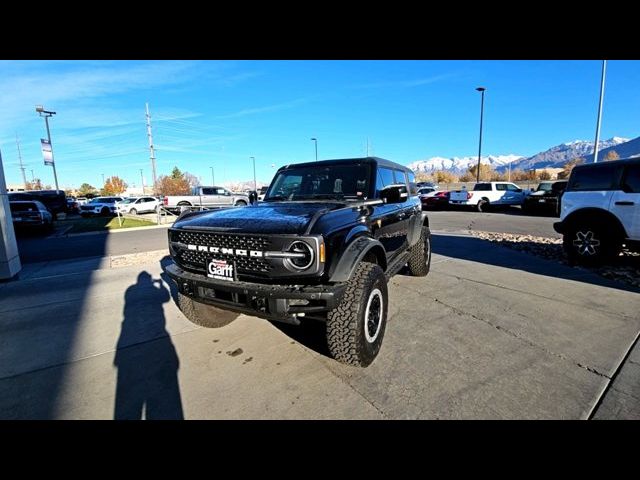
(490, 253)
(147, 384)
(310, 333)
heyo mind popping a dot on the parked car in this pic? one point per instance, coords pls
(82, 200)
(135, 205)
(545, 199)
(426, 184)
(262, 192)
(100, 206)
(487, 194)
(54, 200)
(31, 214)
(600, 211)
(72, 205)
(206, 197)
(435, 200)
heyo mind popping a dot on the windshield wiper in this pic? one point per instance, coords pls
(275, 197)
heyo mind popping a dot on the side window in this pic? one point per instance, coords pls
(632, 179)
(501, 186)
(513, 188)
(221, 191)
(400, 177)
(595, 178)
(385, 178)
(208, 191)
(413, 188)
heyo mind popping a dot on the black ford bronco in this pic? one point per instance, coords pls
(321, 245)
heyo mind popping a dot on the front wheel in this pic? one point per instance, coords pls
(589, 244)
(420, 254)
(133, 211)
(482, 206)
(355, 328)
(241, 203)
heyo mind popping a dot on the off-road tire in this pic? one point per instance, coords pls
(346, 323)
(420, 254)
(204, 315)
(590, 244)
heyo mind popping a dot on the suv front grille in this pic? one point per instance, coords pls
(197, 260)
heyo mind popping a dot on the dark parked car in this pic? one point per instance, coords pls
(54, 200)
(32, 215)
(546, 198)
(437, 201)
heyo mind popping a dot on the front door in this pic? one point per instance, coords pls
(625, 203)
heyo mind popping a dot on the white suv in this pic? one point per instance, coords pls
(601, 211)
(485, 194)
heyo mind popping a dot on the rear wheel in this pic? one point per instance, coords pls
(355, 328)
(204, 315)
(241, 203)
(420, 254)
(483, 205)
(590, 244)
(133, 211)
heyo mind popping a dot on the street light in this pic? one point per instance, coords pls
(315, 140)
(481, 90)
(595, 146)
(255, 185)
(213, 179)
(142, 181)
(46, 114)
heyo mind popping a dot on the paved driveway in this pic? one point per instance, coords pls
(490, 333)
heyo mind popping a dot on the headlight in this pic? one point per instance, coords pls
(304, 258)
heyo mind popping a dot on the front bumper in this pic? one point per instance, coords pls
(275, 302)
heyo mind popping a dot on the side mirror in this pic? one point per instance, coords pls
(394, 194)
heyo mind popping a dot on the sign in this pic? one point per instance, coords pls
(47, 153)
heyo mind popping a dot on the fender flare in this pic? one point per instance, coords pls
(353, 255)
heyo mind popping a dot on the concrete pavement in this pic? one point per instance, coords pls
(490, 333)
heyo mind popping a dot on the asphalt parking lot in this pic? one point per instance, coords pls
(490, 333)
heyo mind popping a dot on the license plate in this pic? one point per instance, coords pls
(220, 270)
(542, 200)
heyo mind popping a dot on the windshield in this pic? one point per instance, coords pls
(128, 200)
(340, 182)
(102, 200)
(544, 187)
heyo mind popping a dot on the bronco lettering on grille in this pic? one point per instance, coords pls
(238, 252)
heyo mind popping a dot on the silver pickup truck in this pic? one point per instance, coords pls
(206, 197)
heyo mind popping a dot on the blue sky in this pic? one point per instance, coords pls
(219, 113)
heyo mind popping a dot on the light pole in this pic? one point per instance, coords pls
(142, 181)
(595, 147)
(102, 180)
(315, 140)
(481, 90)
(213, 179)
(46, 114)
(255, 185)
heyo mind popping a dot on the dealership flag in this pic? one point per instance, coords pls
(47, 154)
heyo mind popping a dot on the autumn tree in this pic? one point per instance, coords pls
(544, 175)
(566, 170)
(424, 177)
(191, 179)
(611, 155)
(486, 171)
(174, 184)
(467, 177)
(114, 186)
(86, 189)
(442, 176)
(35, 184)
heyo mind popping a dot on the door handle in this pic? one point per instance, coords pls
(624, 203)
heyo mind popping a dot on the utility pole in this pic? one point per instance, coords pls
(33, 178)
(368, 150)
(255, 185)
(213, 179)
(481, 90)
(24, 177)
(46, 114)
(142, 181)
(151, 149)
(595, 147)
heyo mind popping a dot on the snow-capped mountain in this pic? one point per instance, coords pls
(460, 164)
(554, 157)
(557, 156)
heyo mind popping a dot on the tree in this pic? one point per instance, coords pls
(175, 184)
(467, 177)
(486, 171)
(442, 176)
(424, 177)
(566, 171)
(36, 184)
(114, 186)
(544, 175)
(191, 179)
(611, 155)
(86, 189)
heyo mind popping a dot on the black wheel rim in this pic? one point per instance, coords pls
(586, 243)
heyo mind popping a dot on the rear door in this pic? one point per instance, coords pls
(625, 203)
(514, 195)
(385, 219)
(209, 197)
(501, 195)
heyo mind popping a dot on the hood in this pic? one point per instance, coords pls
(261, 218)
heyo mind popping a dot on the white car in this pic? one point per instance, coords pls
(100, 206)
(136, 205)
(486, 194)
(600, 211)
